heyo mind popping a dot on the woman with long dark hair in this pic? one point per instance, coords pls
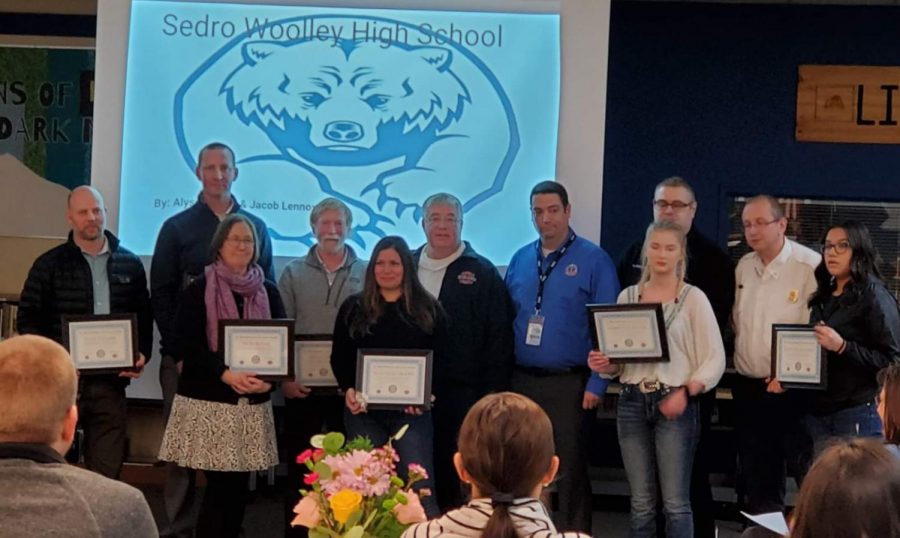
(857, 322)
(393, 311)
(221, 420)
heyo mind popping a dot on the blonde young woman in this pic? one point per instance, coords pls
(657, 411)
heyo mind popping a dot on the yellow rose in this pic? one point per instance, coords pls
(344, 503)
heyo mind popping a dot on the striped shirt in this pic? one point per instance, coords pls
(529, 516)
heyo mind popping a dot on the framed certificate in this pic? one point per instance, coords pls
(798, 361)
(264, 347)
(394, 378)
(312, 361)
(629, 332)
(101, 344)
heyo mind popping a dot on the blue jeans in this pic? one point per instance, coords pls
(859, 421)
(417, 446)
(652, 446)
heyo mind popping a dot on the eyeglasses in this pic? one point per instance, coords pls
(838, 248)
(437, 219)
(239, 241)
(758, 224)
(677, 205)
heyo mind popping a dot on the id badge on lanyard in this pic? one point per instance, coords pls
(535, 330)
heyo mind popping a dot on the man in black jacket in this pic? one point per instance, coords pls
(710, 269)
(91, 273)
(480, 356)
(181, 253)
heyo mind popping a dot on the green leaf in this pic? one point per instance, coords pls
(360, 443)
(323, 469)
(317, 441)
(389, 504)
(355, 532)
(354, 518)
(333, 442)
(316, 533)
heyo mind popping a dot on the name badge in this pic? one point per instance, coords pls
(535, 330)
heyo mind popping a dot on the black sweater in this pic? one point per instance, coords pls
(391, 331)
(202, 375)
(866, 317)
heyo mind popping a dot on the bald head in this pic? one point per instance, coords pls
(37, 391)
(86, 214)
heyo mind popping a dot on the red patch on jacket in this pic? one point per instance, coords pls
(467, 278)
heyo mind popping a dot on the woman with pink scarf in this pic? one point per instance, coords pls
(221, 421)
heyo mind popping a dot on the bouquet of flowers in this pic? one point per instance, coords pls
(354, 490)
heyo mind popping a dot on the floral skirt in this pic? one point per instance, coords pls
(216, 436)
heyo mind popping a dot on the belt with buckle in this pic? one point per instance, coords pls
(649, 387)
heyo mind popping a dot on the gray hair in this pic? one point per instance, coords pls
(327, 204)
(443, 198)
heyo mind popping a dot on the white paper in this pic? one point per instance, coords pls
(260, 350)
(628, 334)
(394, 380)
(101, 344)
(313, 363)
(774, 521)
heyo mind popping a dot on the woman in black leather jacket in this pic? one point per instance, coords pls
(859, 326)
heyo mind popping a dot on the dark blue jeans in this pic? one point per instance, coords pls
(859, 421)
(657, 450)
(417, 446)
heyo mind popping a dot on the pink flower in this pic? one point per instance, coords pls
(417, 470)
(304, 456)
(318, 453)
(307, 511)
(310, 479)
(363, 472)
(411, 512)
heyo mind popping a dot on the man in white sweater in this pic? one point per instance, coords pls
(42, 494)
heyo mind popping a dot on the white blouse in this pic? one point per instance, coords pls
(529, 516)
(696, 352)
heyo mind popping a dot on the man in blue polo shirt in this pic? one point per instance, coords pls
(550, 282)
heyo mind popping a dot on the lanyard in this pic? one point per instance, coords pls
(544, 275)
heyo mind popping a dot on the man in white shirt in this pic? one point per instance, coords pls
(480, 350)
(774, 283)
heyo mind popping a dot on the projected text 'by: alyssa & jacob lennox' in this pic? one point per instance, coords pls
(363, 30)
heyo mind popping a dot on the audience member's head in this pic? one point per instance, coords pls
(37, 393)
(852, 491)
(889, 403)
(506, 451)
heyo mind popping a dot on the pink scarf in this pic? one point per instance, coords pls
(221, 284)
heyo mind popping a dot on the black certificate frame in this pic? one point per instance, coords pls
(317, 390)
(287, 325)
(655, 308)
(822, 384)
(67, 320)
(426, 354)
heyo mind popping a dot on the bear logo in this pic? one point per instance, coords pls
(380, 125)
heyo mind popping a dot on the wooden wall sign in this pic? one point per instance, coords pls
(842, 103)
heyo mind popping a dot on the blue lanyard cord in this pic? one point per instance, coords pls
(543, 275)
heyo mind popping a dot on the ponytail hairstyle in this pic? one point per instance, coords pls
(506, 447)
(680, 234)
